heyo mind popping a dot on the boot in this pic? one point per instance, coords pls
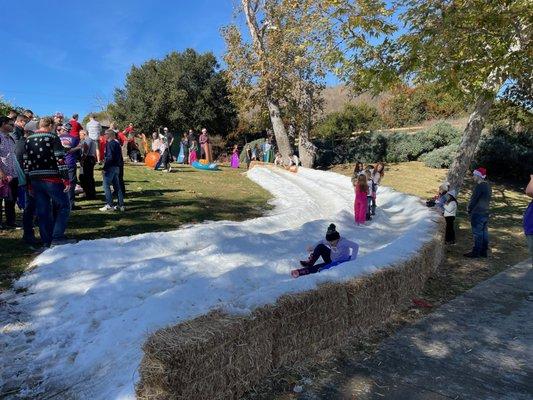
(310, 261)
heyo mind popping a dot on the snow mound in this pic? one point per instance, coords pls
(89, 307)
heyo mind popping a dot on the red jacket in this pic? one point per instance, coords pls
(76, 128)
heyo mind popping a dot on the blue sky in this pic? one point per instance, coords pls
(69, 56)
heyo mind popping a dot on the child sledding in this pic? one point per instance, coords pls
(334, 250)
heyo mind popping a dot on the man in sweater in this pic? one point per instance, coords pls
(44, 164)
(478, 209)
(110, 172)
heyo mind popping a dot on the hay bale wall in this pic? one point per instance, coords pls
(220, 357)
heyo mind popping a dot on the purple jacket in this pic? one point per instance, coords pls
(528, 219)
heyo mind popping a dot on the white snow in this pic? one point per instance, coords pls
(90, 306)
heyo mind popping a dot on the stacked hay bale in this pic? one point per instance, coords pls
(220, 357)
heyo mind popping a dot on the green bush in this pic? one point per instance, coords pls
(409, 147)
(506, 154)
(441, 157)
(353, 118)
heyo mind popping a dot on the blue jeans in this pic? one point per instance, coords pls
(480, 231)
(110, 177)
(28, 216)
(73, 177)
(50, 196)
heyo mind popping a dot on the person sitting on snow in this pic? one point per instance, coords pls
(333, 250)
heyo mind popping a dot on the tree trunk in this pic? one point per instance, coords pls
(306, 149)
(471, 135)
(282, 140)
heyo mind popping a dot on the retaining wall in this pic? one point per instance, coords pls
(217, 356)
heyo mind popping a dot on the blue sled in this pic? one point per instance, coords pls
(207, 167)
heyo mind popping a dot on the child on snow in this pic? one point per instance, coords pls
(358, 170)
(378, 173)
(360, 203)
(450, 210)
(334, 249)
(368, 174)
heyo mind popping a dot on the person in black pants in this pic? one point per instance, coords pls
(88, 161)
(450, 210)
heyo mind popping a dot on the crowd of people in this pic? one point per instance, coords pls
(39, 171)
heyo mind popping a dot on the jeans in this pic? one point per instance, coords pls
(480, 223)
(28, 216)
(50, 195)
(111, 177)
(121, 180)
(73, 177)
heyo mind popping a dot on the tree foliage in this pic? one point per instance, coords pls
(468, 47)
(294, 43)
(353, 118)
(183, 90)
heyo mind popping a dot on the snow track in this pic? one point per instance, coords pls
(79, 327)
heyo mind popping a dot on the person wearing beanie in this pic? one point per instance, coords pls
(450, 210)
(478, 209)
(334, 249)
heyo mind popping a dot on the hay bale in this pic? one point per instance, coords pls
(220, 357)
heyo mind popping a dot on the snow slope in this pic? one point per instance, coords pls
(89, 307)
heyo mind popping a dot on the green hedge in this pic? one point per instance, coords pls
(441, 157)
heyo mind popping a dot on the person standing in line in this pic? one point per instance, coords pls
(75, 126)
(33, 123)
(87, 162)
(94, 129)
(44, 164)
(58, 121)
(8, 172)
(528, 217)
(478, 209)
(72, 150)
(170, 141)
(235, 157)
(110, 172)
(379, 173)
(360, 203)
(450, 211)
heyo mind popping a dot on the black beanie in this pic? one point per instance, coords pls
(332, 234)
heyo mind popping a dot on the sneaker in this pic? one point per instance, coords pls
(60, 242)
(107, 207)
(121, 209)
(304, 263)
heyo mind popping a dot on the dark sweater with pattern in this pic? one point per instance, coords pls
(44, 157)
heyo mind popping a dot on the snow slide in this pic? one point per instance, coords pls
(77, 330)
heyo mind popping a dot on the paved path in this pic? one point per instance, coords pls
(478, 346)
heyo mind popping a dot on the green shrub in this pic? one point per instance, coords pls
(441, 157)
(353, 118)
(409, 147)
(506, 154)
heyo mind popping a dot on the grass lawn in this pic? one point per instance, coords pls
(155, 201)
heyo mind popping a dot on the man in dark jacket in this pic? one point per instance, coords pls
(113, 161)
(478, 209)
